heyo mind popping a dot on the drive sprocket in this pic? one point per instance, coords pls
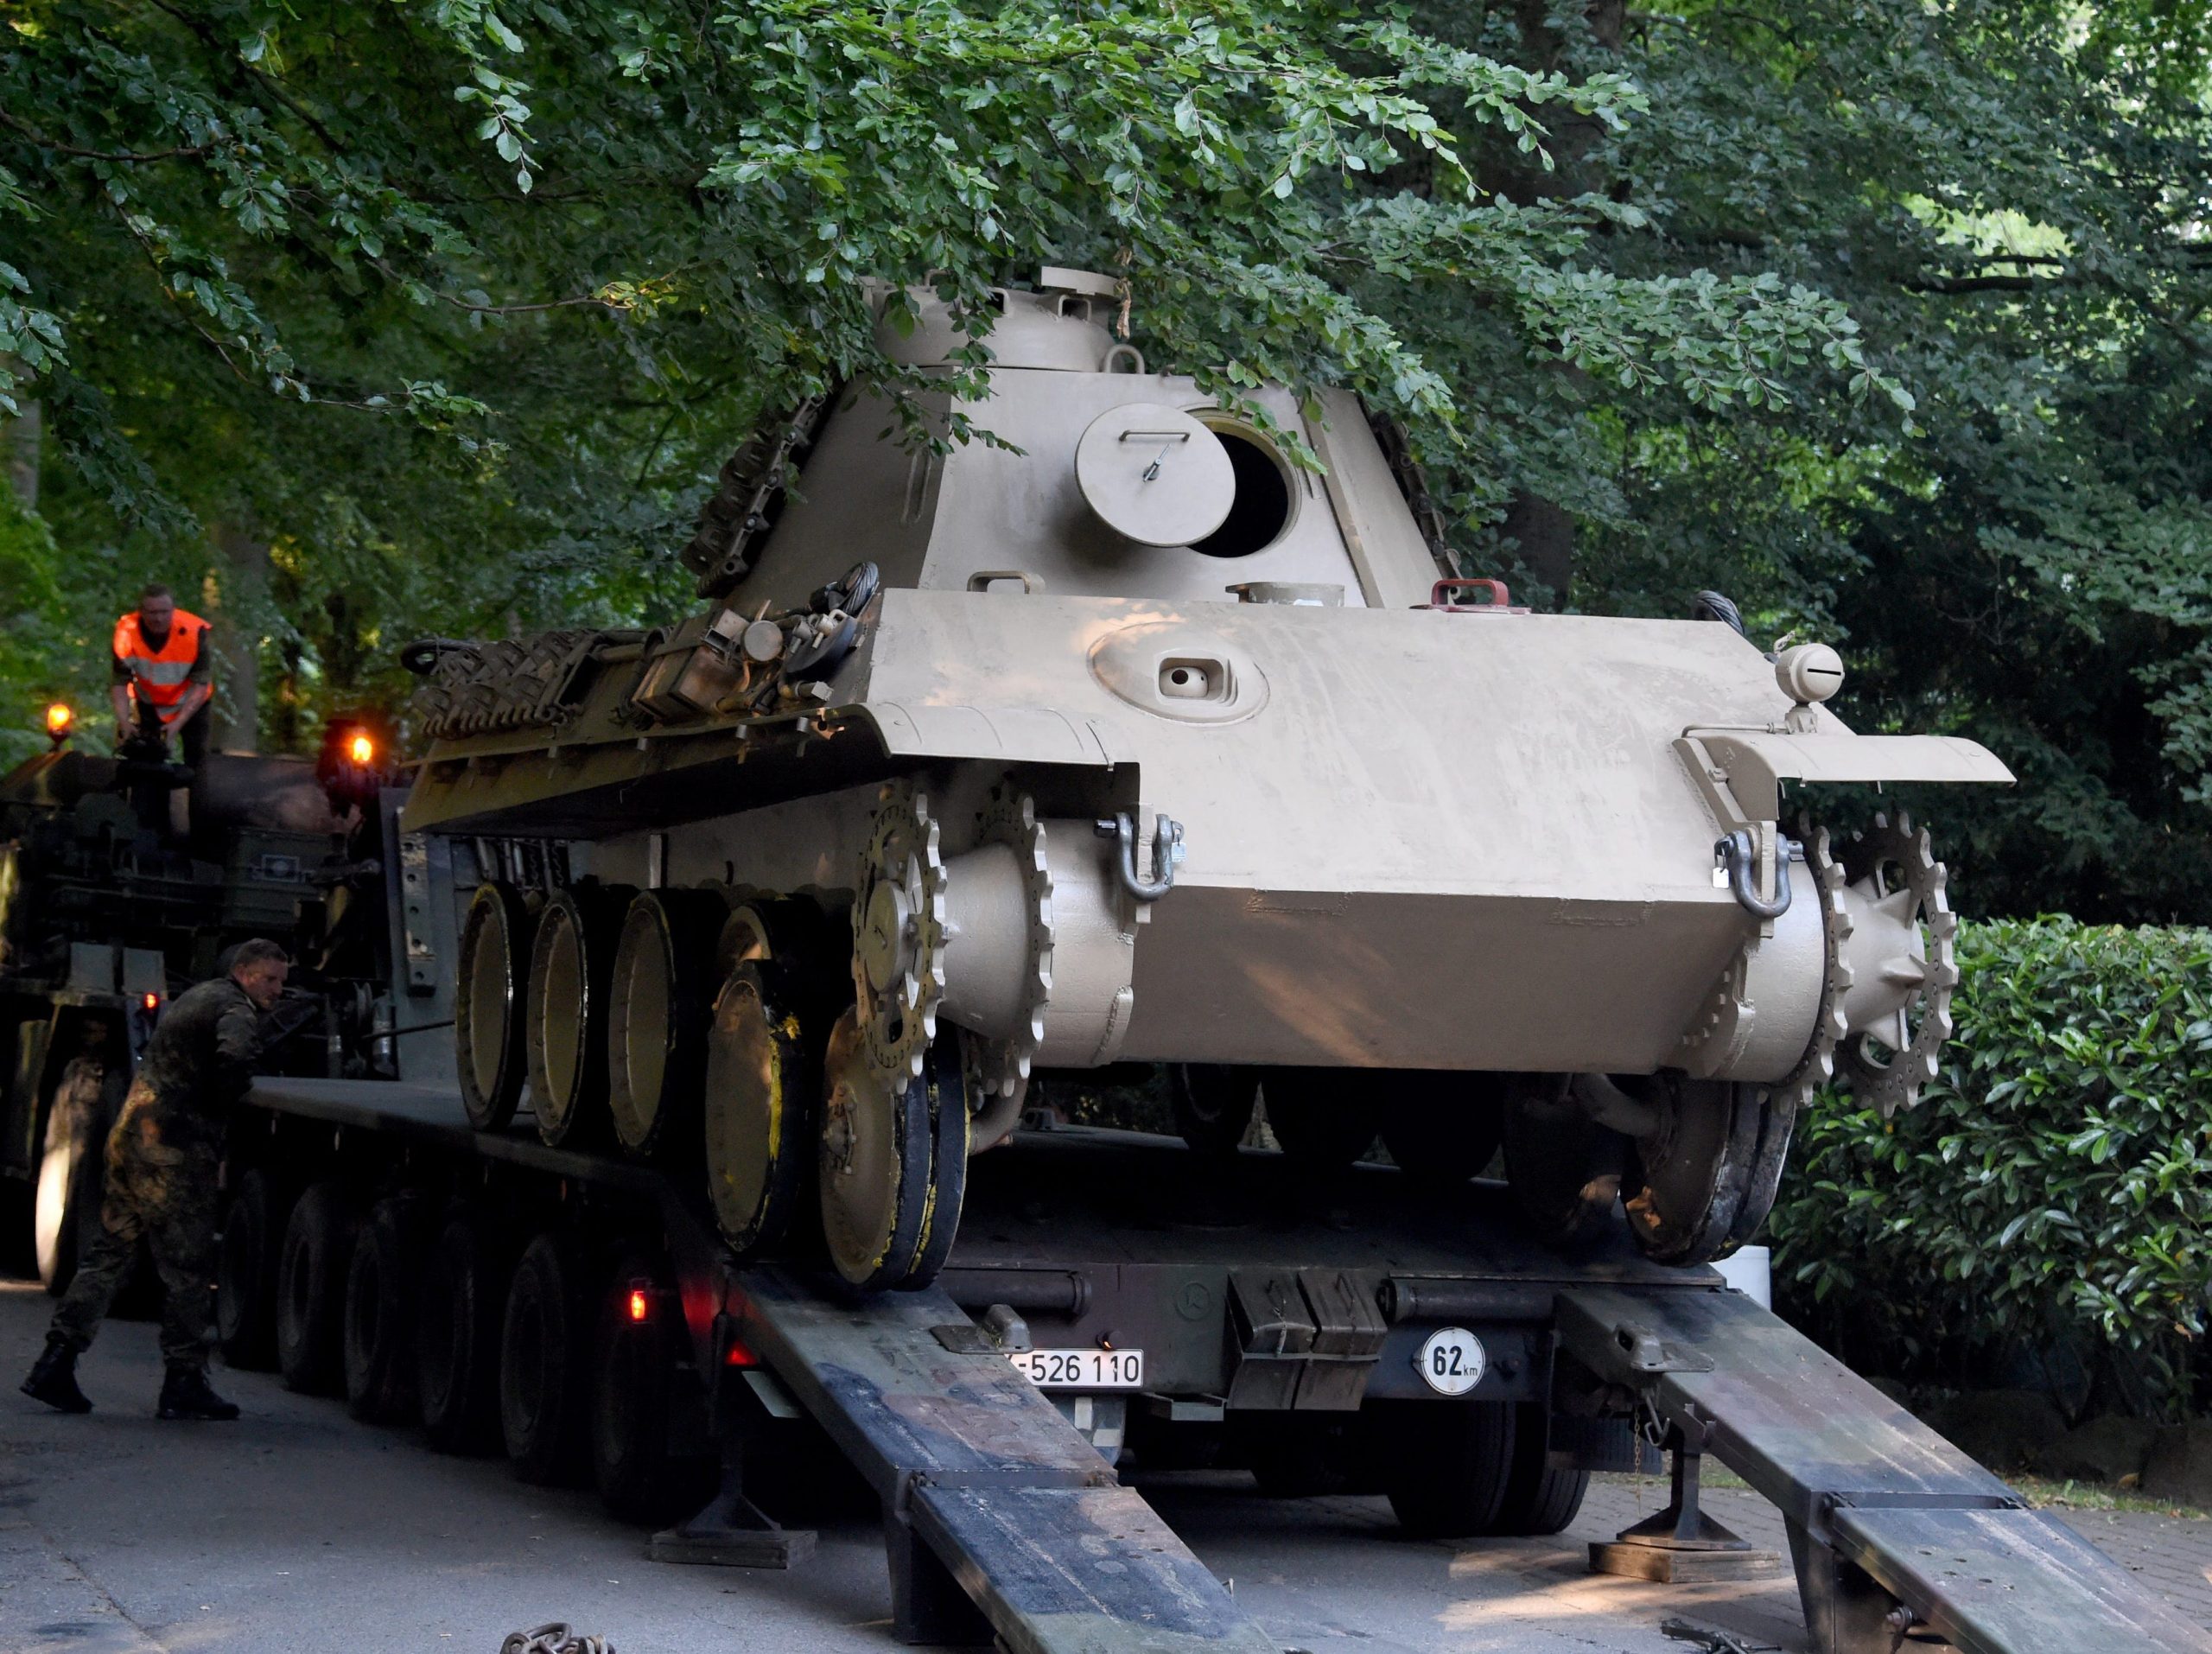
(1899, 888)
(899, 931)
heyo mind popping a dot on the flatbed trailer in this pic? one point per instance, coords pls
(1110, 1294)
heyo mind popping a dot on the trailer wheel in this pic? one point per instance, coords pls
(487, 1005)
(1446, 1466)
(245, 1275)
(461, 1299)
(311, 1290)
(545, 1405)
(379, 1317)
(1539, 1498)
(633, 1377)
(571, 980)
(1319, 1115)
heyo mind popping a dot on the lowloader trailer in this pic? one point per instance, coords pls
(1110, 1299)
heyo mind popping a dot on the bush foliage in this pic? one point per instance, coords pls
(2051, 1195)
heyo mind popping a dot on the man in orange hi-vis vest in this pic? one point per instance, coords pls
(164, 674)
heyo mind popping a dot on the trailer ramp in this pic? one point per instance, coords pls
(1891, 1529)
(1000, 1519)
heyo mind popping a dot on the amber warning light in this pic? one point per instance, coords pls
(58, 718)
(363, 751)
(153, 1002)
(640, 1306)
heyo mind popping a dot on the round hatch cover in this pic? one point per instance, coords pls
(1154, 474)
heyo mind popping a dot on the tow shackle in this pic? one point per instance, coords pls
(1736, 853)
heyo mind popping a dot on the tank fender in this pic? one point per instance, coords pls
(1738, 773)
(1008, 735)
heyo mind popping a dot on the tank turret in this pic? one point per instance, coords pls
(1133, 738)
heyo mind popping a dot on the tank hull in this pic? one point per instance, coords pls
(1413, 850)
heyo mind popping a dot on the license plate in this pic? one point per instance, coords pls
(1080, 1369)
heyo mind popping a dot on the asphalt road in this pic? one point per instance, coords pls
(295, 1530)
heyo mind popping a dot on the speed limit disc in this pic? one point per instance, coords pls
(1452, 1361)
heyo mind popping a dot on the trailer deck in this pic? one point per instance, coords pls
(1255, 1285)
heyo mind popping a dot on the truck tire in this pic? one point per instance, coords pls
(245, 1275)
(544, 1374)
(634, 1376)
(460, 1298)
(1539, 1498)
(1446, 1466)
(380, 1317)
(311, 1290)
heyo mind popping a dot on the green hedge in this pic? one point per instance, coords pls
(2051, 1194)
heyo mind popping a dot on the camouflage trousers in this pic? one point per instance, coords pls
(167, 1195)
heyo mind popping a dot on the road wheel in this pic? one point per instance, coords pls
(1539, 1498)
(460, 1301)
(1443, 1127)
(762, 1083)
(311, 1290)
(877, 1154)
(571, 980)
(246, 1270)
(1687, 1183)
(488, 1007)
(1214, 1103)
(545, 1378)
(1323, 1118)
(657, 1012)
(1564, 1168)
(634, 1376)
(1447, 1465)
(379, 1317)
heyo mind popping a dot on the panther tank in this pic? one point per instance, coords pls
(1135, 736)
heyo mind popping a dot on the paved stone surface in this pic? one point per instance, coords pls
(297, 1530)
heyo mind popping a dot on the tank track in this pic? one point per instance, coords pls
(749, 494)
(513, 683)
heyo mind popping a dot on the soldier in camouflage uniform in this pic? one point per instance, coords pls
(163, 1158)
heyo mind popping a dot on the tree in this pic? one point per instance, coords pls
(2010, 198)
(456, 314)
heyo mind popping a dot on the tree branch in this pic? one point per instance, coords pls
(134, 157)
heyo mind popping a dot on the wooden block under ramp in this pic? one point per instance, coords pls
(734, 1548)
(1668, 1566)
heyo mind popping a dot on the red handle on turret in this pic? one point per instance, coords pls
(1499, 597)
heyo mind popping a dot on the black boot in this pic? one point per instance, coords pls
(54, 1378)
(185, 1395)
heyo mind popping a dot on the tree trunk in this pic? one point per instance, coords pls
(23, 432)
(238, 593)
(1545, 531)
(1543, 528)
